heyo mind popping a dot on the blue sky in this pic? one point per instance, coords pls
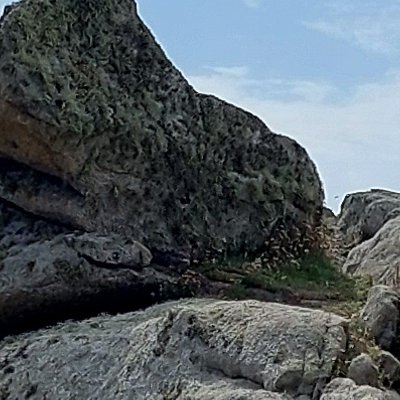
(325, 72)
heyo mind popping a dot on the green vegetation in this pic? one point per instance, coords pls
(314, 277)
(312, 273)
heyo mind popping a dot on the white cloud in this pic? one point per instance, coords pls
(252, 3)
(355, 142)
(237, 78)
(371, 26)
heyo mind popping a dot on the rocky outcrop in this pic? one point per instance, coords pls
(364, 213)
(363, 371)
(198, 349)
(346, 389)
(328, 214)
(378, 257)
(48, 281)
(381, 315)
(390, 367)
(101, 132)
(49, 273)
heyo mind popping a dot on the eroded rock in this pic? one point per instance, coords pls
(118, 141)
(378, 257)
(364, 213)
(198, 349)
(110, 250)
(346, 389)
(363, 371)
(48, 273)
(390, 366)
(381, 315)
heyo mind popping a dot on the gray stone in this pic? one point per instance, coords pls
(364, 213)
(381, 315)
(120, 142)
(110, 250)
(20, 229)
(328, 214)
(363, 371)
(390, 366)
(378, 257)
(192, 349)
(74, 275)
(346, 389)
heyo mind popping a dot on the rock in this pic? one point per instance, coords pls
(328, 214)
(191, 349)
(118, 141)
(381, 315)
(110, 250)
(48, 274)
(378, 257)
(390, 366)
(346, 389)
(17, 228)
(364, 213)
(363, 371)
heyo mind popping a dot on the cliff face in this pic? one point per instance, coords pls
(100, 131)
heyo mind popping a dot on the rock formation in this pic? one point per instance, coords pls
(364, 213)
(381, 315)
(346, 389)
(101, 132)
(197, 349)
(378, 257)
(368, 225)
(116, 178)
(363, 371)
(49, 273)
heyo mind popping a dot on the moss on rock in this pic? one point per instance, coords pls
(105, 110)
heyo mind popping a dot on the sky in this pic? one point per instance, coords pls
(324, 72)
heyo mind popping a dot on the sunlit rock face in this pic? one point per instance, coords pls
(192, 349)
(99, 130)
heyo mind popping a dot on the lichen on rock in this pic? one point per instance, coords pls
(88, 96)
(191, 349)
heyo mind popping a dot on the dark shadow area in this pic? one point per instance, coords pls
(14, 174)
(121, 300)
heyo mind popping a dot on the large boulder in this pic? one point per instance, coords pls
(378, 257)
(99, 130)
(390, 367)
(193, 349)
(364, 213)
(346, 389)
(381, 315)
(363, 371)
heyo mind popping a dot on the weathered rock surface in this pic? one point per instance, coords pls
(48, 273)
(21, 229)
(328, 214)
(363, 371)
(110, 250)
(364, 213)
(195, 349)
(378, 257)
(106, 135)
(390, 366)
(381, 315)
(49, 281)
(346, 389)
